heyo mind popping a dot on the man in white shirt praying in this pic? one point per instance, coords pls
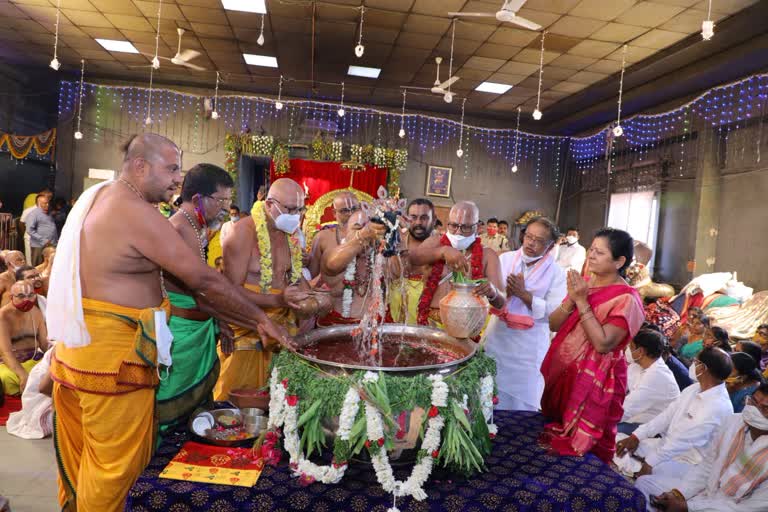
(571, 255)
(733, 477)
(651, 384)
(686, 426)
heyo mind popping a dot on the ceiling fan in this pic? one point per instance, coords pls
(507, 14)
(443, 88)
(181, 58)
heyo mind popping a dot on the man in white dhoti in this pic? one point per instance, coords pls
(687, 427)
(518, 334)
(733, 477)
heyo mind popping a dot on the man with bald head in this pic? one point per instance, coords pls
(344, 205)
(23, 337)
(263, 254)
(459, 250)
(107, 312)
(13, 261)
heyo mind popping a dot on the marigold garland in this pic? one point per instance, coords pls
(430, 287)
(259, 214)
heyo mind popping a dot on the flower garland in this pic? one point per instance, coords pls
(430, 287)
(259, 214)
(350, 283)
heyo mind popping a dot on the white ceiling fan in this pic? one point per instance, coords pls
(443, 88)
(181, 58)
(507, 14)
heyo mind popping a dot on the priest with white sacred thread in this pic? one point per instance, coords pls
(518, 333)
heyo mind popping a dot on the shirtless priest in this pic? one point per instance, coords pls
(459, 250)
(346, 270)
(345, 204)
(23, 338)
(264, 255)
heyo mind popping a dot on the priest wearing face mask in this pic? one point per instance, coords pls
(518, 333)
(263, 254)
(571, 254)
(733, 475)
(459, 250)
(23, 337)
(687, 427)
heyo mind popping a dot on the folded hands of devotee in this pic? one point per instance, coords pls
(577, 287)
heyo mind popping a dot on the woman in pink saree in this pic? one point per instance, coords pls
(585, 369)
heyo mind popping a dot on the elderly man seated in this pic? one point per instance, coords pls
(686, 426)
(39, 284)
(23, 337)
(651, 384)
(733, 476)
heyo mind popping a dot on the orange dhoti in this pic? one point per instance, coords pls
(104, 398)
(248, 365)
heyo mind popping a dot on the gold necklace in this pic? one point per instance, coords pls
(132, 187)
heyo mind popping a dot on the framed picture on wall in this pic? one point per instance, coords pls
(439, 181)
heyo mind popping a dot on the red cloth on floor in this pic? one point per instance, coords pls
(12, 404)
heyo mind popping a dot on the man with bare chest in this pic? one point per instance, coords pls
(13, 261)
(107, 313)
(23, 338)
(263, 255)
(459, 250)
(347, 268)
(407, 283)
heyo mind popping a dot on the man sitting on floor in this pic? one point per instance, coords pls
(733, 477)
(650, 383)
(32, 276)
(23, 338)
(686, 426)
(13, 260)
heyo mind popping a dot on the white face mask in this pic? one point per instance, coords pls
(461, 242)
(754, 418)
(692, 373)
(287, 223)
(532, 259)
(571, 240)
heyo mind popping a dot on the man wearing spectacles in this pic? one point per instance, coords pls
(23, 338)
(420, 215)
(459, 250)
(263, 254)
(733, 475)
(344, 205)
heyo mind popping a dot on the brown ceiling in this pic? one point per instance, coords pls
(402, 37)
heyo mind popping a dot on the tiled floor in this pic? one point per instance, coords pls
(28, 473)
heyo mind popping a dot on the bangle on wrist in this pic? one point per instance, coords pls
(565, 310)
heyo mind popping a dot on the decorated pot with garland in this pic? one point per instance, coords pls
(430, 402)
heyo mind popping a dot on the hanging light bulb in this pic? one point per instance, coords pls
(517, 140)
(707, 30)
(401, 133)
(459, 152)
(341, 103)
(514, 168)
(618, 131)
(279, 105)
(55, 64)
(155, 60)
(156, 63)
(148, 121)
(260, 40)
(448, 97)
(78, 135)
(360, 49)
(214, 115)
(536, 111)
(341, 112)
(537, 114)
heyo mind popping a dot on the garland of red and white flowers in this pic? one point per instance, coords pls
(284, 413)
(349, 284)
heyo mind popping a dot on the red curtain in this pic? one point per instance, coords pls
(323, 177)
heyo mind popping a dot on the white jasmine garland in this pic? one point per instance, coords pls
(486, 403)
(348, 293)
(348, 413)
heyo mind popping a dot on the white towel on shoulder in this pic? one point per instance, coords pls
(64, 318)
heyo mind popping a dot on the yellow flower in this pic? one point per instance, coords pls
(259, 215)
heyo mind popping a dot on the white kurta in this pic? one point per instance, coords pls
(572, 257)
(520, 352)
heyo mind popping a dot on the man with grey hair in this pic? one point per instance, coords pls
(518, 333)
(107, 312)
(459, 250)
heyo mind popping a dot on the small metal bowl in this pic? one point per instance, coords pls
(200, 423)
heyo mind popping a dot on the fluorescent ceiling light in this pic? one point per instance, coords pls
(493, 87)
(117, 46)
(260, 60)
(364, 71)
(245, 5)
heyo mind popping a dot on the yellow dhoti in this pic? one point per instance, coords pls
(104, 400)
(9, 378)
(409, 289)
(248, 365)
